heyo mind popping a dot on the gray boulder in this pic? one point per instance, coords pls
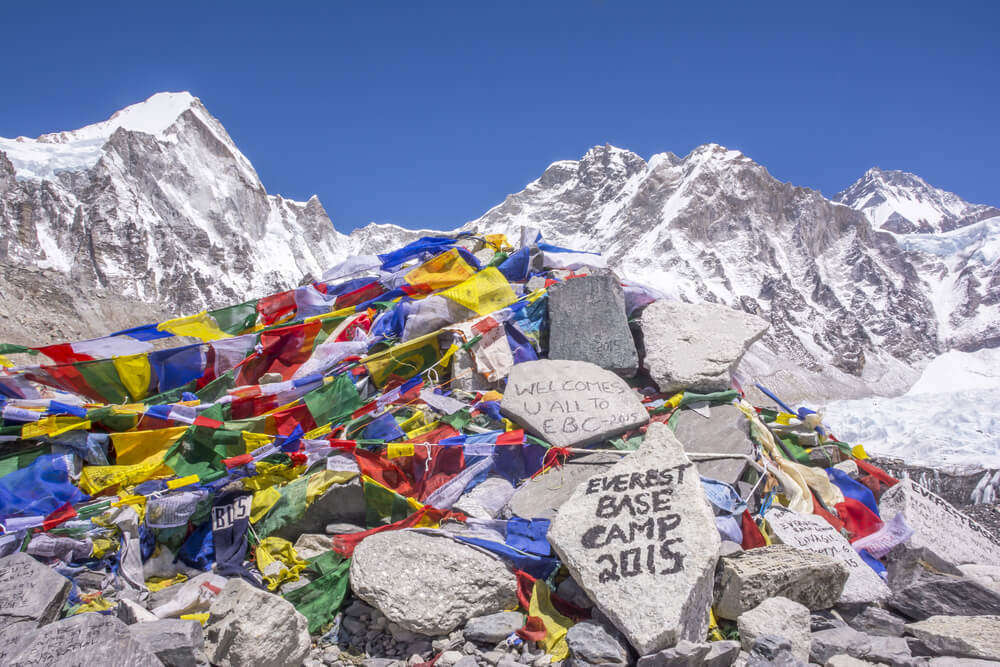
(571, 403)
(176, 642)
(690, 654)
(924, 585)
(777, 616)
(541, 497)
(772, 651)
(634, 538)
(696, 346)
(725, 432)
(429, 584)
(31, 594)
(591, 643)
(746, 579)
(961, 636)
(587, 322)
(84, 639)
(846, 640)
(494, 627)
(248, 626)
(876, 621)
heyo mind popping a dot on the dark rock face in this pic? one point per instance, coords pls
(588, 323)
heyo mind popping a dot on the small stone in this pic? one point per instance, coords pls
(696, 346)
(493, 657)
(746, 579)
(493, 628)
(571, 403)
(310, 545)
(773, 651)
(131, 612)
(684, 653)
(466, 661)
(774, 616)
(449, 658)
(429, 584)
(824, 620)
(250, 626)
(961, 636)
(342, 528)
(828, 643)
(721, 654)
(844, 660)
(657, 588)
(587, 322)
(878, 622)
(176, 642)
(592, 643)
(571, 592)
(543, 660)
(31, 594)
(469, 649)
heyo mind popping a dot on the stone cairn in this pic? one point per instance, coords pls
(578, 481)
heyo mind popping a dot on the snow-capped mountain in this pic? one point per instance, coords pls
(152, 213)
(156, 213)
(860, 309)
(954, 245)
(904, 203)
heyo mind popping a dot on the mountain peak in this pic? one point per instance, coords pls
(902, 203)
(73, 150)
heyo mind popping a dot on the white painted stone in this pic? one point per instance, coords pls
(571, 403)
(639, 539)
(938, 526)
(696, 346)
(813, 533)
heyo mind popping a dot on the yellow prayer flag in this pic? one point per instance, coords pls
(134, 373)
(201, 617)
(262, 503)
(95, 479)
(484, 293)
(445, 270)
(498, 242)
(555, 623)
(202, 326)
(405, 360)
(182, 481)
(394, 450)
(136, 447)
(419, 431)
(859, 452)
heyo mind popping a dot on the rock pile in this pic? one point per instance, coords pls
(461, 453)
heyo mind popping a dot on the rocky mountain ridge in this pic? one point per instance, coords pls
(155, 213)
(150, 214)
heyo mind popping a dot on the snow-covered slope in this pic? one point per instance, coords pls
(950, 416)
(954, 245)
(900, 202)
(154, 212)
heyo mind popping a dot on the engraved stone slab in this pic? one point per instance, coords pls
(587, 322)
(813, 533)
(31, 594)
(571, 403)
(640, 539)
(938, 526)
(748, 578)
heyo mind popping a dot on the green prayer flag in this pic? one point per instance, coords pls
(320, 599)
(334, 399)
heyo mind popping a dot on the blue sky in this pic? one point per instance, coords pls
(428, 115)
